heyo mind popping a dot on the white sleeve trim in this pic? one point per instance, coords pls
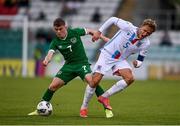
(139, 63)
(51, 50)
(85, 31)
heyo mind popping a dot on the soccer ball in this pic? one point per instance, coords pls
(44, 108)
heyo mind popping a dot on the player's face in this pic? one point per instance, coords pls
(61, 31)
(144, 31)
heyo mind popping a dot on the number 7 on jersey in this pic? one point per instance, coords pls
(69, 48)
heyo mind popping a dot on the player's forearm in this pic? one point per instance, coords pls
(48, 57)
(108, 23)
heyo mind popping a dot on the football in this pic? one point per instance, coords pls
(44, 108)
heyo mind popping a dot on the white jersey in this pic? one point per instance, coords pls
(125, 42)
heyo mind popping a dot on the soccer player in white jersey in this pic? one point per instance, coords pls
(127, 41)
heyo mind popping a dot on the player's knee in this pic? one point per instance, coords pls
(90, 82)
(96, 79)
(92, 85)
(129, 80)
(54, 87)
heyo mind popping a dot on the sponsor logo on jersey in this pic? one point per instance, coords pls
(116, 55)
(60, 47)
(73, 40)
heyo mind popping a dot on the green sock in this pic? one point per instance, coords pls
(48, 95)
(99, 91)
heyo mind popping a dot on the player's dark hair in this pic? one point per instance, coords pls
(58, 22)
(151, 23)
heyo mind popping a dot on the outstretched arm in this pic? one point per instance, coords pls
(48, 57)
(92, 32)
(122, 24)
(108, 23)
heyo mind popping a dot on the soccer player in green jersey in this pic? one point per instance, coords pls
(69, 44)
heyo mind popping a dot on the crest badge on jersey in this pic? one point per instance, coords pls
(73, 40)
(60, 46)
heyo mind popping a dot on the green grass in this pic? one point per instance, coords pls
(152, 102)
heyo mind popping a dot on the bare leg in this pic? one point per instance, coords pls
(55, 85)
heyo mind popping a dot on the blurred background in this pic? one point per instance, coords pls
(26, 32)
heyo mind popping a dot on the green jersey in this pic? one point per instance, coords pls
(71, 47)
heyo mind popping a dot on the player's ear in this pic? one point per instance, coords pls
(66, 26)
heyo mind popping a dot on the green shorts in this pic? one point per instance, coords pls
(70, 71)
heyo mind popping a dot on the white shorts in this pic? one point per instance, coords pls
(103, 65)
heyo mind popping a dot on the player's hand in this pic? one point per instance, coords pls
(135, 64)
(96, 36)
(45, 62)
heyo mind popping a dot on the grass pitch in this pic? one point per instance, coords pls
(151, 102)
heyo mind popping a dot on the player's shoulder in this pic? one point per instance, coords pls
(133, 27)
(76, 29)
(130, 27)
(146, 42)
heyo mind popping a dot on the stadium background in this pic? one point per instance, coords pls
(36, 30)
(26, 32)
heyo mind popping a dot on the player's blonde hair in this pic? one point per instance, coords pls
(151, 23)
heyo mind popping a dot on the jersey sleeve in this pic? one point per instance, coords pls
(143, 52)
(53, 46)
(80, 31)
(122, 24)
